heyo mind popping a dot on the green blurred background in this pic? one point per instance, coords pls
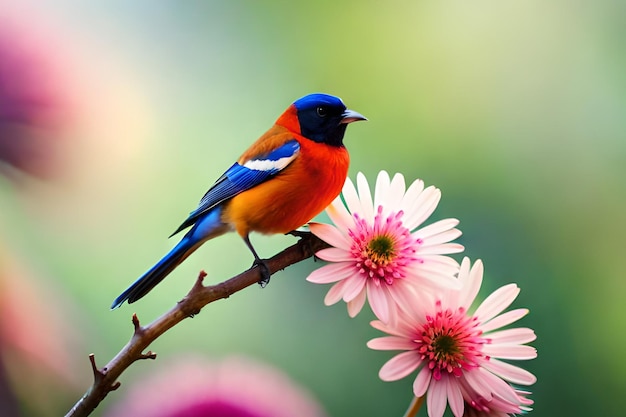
(515, 110)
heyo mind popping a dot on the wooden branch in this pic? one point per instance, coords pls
(105, 379)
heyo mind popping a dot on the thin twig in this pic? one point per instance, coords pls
(414, 407)
(105, 379)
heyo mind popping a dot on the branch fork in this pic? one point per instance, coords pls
(105, 379)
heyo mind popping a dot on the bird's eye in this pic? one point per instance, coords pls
(321, 111)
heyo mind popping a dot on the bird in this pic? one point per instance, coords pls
(284, 179)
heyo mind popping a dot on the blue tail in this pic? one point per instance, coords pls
(206, 227)
(157, 273)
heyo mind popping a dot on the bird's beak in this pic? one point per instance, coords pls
(350, 116)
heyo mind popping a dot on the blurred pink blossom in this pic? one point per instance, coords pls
(233, 387)
(34, 101)
(38, 344)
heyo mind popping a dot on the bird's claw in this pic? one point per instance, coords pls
(299, 233)
(264, 270)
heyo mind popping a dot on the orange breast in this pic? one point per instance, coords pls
(295, 195)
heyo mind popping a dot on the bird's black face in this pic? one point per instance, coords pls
(324, 118)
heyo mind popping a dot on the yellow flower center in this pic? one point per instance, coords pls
(381, 250)
(445, 347)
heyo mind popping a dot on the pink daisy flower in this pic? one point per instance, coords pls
(378, 252)
(458, 355)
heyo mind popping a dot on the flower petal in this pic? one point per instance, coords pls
(471, 280)
(438, 265)
(331, 273)
(441, 249)
(511, 373)
(330, 235)
(356, 304)
(517, 352)
(399, 366)
(391, 343)
(339, 214)
(441, 238)
(378, 300)
(335, 293)
(496, 302)
(404, 295)
(335, 255)
(436, 398)
(497, 385)
(425, 205)
(504, 319)
(394, 196)
(455, 398)
(353, 286)
(519, 335)
(442, 226)
(382, 187)
(401, 327)
(477, 384)
(431, 278)
(365, 195)
(410, 199)
(422, 382)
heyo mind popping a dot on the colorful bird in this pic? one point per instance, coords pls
(289, 175)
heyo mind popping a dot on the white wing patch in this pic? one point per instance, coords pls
(270, 164)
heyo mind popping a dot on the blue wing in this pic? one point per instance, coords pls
(239, 178)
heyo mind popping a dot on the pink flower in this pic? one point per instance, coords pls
(458, 355)
(233, 387)
(378, 251)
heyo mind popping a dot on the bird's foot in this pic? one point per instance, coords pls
(265, 272)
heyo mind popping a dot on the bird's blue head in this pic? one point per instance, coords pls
(324, 118)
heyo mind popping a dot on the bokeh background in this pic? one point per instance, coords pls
(118, 115)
